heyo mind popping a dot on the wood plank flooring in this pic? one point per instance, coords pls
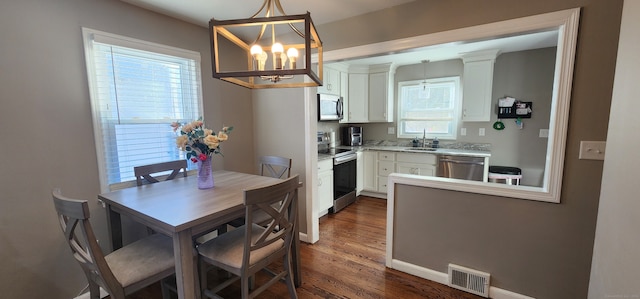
(348, 262)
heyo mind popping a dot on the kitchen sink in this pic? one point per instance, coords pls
(421, 149)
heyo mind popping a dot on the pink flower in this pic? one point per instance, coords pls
(202, 157)
(175, 125)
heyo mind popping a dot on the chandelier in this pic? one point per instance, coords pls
(243, 54)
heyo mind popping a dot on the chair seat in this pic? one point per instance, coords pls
(228, 248)
(147, 257)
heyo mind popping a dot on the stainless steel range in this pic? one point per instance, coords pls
(344, 176)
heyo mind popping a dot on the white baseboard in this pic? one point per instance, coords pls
(304, 238)
(443, 278)
(103, 294)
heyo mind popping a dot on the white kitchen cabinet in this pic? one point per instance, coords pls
(359, 173)
(370, 93)
(418, 164)
(358, 98)
(370, 171)
(325, 185)
(380, 97)
(386, 166)
(477, 85)
(330, 80)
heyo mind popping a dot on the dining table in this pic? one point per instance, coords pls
(178, 209)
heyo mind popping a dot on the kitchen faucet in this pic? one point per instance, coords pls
(424, 138)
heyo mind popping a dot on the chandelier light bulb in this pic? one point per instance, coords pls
(256, 52)
(292, 53)
(277, 49)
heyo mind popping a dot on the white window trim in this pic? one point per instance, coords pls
(88, 36)
(456, 110)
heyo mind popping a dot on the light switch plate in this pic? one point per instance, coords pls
(391, 130)
(544, 133)
(463, 132)
(481, 132)
(592, 150)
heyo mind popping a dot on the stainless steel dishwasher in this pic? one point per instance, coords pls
(460, 167)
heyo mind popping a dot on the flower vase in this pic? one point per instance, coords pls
(205, 176)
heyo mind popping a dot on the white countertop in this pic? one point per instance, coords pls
(406, 149)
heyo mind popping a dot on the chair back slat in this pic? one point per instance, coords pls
(144, 173)
(275, 167)
(279, 202)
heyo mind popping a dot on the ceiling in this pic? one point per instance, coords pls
(199, 12)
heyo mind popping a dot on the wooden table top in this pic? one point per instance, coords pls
(178, 204)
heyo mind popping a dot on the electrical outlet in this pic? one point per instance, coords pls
(592, 150)
(481, 132)
(391, 130)
(463, 132)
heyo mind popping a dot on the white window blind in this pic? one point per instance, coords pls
(430, 105)
(137, 90)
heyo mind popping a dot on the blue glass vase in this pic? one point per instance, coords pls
(205, 175)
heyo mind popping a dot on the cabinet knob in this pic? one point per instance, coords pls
(319, 182)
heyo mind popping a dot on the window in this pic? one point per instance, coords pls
(430, 106)
(137, 89)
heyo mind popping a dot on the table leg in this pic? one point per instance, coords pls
(114, 227)
(186, 265)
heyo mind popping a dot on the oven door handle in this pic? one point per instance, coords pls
(343, 159)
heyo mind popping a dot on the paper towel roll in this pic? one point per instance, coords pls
(332, 139)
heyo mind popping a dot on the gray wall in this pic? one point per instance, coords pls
(278, 115)
(549, 245)
(616, 265)
(47, 132)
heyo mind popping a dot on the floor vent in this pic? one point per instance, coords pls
(469, 280)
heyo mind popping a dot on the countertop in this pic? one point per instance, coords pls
(405, 149)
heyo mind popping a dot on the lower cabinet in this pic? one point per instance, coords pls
(379, 164)
(325, 185)
(418, 164)
(370, 171)
(386, 166)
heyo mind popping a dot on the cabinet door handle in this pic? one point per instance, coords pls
(319, 182)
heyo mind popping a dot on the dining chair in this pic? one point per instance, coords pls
(275, 167)
(123, 271)
(251, 248)
(271, 166)
(144, 173)
(144, 176)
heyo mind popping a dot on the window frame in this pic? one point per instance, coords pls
(456, 110)
(90, 35)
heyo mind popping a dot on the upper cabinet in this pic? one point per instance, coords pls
(370, 94)
(331, 81)
(477, 85)
(358, 98)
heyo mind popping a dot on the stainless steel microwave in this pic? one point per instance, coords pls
(329, 107)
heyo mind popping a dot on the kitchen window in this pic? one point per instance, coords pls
(137, 89)
(431, 106)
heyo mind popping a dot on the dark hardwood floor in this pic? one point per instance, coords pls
(348, 262)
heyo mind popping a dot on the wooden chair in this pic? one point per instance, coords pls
(275, 167)
(144, 173)
(252, 247)
(272, 166)
(125, 270)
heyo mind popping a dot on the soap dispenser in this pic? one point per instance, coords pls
(435, 143)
